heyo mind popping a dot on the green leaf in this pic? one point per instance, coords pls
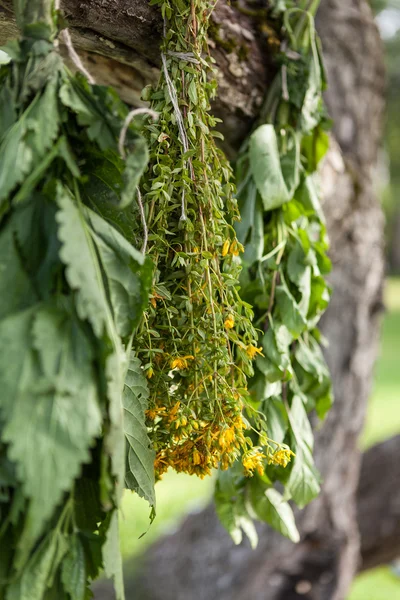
(276, 177)
(270, 507)
(49, 392)
(75, 94)
(303, 483)
(277, 422)
(82, 266)
(127, 271)
(34, 581)
(290, 312)
(192, 91)
(135, 164)
(73, 572)
(112, 557)
(250, 229)
(16, 289)
(231, 508)
(139, 474)
(27, 141)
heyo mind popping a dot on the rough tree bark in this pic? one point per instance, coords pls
(118, 40)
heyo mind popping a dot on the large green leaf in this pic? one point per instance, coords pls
(83, 272)
(231, 508)
(74, 569)
(140, 457)
(276, 177)
(127, 271)
(269, 506)
(49, 405)
(112, 556)
(28, 140)
(303, 483)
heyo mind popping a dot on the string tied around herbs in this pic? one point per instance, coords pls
(121, 148)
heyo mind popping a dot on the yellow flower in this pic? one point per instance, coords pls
(149, 373)
(225, 247)
(229, 322)
(281, 457)
(251, 351)
(152, 413)
(226, 437)
(181, 362)
(253, 461)
(234, 248)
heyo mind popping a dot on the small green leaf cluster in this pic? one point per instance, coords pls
(285, 264)
(196, 340)
(72, 291)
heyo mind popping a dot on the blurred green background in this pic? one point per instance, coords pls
(179, 494)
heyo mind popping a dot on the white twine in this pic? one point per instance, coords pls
(143, 218)
(186, 56)
(136, 111)
(181, 126)
(121, 143)
(74, 56)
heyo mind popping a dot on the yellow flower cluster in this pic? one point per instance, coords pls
(233, 248)
(193, 445)
(281, 457)
(253, 460)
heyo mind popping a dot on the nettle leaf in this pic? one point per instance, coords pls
(16, 289)
(114, 438)
(28, 140)
(127, 271)
(73, 574)
(49, 392)
(140, 457)
(112, 556)
(75, 94)
(276, 176)
(82, 266)
(35, 579)
(270, 507)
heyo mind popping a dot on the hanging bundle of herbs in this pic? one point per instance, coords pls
(196, 341)
(285, 264)
(72, 290)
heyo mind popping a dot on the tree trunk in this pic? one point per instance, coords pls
(118, 41)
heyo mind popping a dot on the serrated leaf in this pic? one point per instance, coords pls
(127, 271)
(35, 578)
(270, 507)
(276, 177)
(112, 557)
(75, 94)
(49, 392)
(73, 573)
(82, 267)
(28, 140)
(139, 474)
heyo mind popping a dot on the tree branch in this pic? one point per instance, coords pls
(119, 40)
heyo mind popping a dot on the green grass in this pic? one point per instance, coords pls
(177, 494)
